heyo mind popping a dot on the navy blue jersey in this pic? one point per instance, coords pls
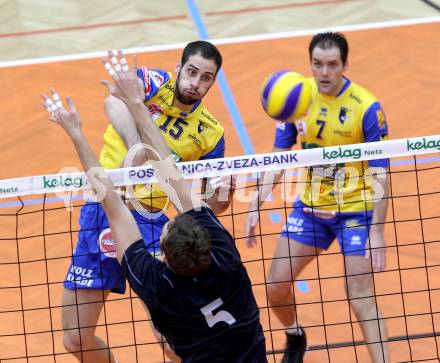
(212, 317)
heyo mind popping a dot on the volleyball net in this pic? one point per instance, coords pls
(39, 226)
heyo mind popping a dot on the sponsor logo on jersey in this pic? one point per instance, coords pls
(201, 127)
(423, 144)
(155, 111)
(168, 86)
(195, 139)
(63, 181)
(341, 152)
(294, 225)
(355, 240)
(323, 112)
(165, 100)
(381, 120)
(301, 127)
(106, 243)
(147, 81)
(8, 190)
(342, 133)
(209, 117)
(157, 78)
(356, 98)
(80, 276)
(280, 125)
(343, 115)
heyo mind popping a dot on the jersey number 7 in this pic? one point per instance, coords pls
(321, 125)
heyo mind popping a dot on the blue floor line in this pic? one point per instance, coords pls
(275, 217)
(231, 105)
(303, 286)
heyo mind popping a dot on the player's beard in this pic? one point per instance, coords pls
(181, 97)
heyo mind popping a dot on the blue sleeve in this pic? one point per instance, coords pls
(153, 79)
(285, 135)
(225, 254)
(217, 152)
(375, 128)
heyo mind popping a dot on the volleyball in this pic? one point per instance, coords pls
(286, 95)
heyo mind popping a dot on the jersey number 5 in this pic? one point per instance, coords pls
(222, 315)
(177, 128)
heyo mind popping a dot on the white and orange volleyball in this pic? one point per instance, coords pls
(286, 95)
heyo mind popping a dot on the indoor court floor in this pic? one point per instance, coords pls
(395, 53)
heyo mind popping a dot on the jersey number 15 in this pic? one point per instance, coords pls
(176, 129)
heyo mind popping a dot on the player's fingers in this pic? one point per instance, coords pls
(56, 99)
(45, 105)
(111, 55)
(247, 227)
(367, 251)
(51, 107)
(107, 85)
(134, 64)
(105, 60)
(108, 67)
(123, 61)
(216, 182)
(114, 61)
(251, 241)
(71, 104)
(253, 221)
(227, 179)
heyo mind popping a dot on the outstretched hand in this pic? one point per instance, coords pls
(376, 249)
(126, 85)
(69, 119)
(252, 222)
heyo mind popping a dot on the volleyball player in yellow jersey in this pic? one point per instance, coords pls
(191, 133)
(329, 207)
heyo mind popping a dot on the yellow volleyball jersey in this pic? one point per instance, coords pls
(190, 135)
(353, 116)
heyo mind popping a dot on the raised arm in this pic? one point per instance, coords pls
(123, 226)
(268, 181)
(377, 239)
(126, 87)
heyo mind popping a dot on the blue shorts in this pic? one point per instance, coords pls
(94, 264)
(350, 229)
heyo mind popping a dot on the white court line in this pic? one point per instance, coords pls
(241, 39)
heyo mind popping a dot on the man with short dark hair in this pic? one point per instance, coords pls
(336, 202)
(200, 297)
(192, 133)
(187, 246)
